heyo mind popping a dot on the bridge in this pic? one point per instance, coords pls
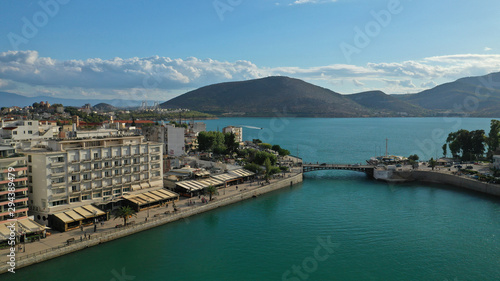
(310, 167)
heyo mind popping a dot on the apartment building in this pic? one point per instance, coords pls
(237, 131)
(75, 173)
(13, 185)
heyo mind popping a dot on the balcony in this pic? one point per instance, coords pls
(58, 184)
(86, 180)
(57, 164)
(108, 157)
(86, 160)
(74, 172)
(75, 181)
(75, 161)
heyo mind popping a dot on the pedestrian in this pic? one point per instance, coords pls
(89, 236)
(81, 227)
(81, 239)
(95, 227)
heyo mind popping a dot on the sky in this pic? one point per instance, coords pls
(157, 50)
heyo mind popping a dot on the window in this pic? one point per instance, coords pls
(126, 189)
(95, 195)
(85, 176)
(117, 172)
(86, 197)
(30, 179)
(96, 166)
(107, 193)
(73, 178)
(29, 158)
(76, 199)
(30, 169)
(96, 155)
(30, 132)
(30, 123)
(14, 132)
(60, 159)
(116, 191)
(74, 188)
(106, 164)
(106, 174)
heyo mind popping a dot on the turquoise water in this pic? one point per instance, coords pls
(373, 230)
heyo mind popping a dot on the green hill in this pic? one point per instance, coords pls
(383, 104)
(476, 96)
(269, 96)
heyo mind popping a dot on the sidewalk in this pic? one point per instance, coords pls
(59, 239)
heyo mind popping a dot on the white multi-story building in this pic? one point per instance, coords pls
(77, 172)
(16, 132)
(13, 186)
(237, 131)
(171, 137)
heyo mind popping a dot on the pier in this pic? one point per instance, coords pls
(310, 167)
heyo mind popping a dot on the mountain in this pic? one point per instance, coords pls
(271, 96)
(475, 96)
(103, 107)
(386, 105)
(11, 99)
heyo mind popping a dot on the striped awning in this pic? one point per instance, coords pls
(25, 225)
(151, 196)
(79, 213)
(194, 185)
(242, 172)
(225, 177)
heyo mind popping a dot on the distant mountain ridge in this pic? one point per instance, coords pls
(268, 97)
(279, 95)
(11, 99)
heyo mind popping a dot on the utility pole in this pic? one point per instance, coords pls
(386, 146)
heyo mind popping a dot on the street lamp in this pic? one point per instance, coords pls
(148, 208)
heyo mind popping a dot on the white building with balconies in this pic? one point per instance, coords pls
(77, 172)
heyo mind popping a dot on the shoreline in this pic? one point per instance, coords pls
(157, 220)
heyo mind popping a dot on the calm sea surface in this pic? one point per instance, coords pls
(372, 230)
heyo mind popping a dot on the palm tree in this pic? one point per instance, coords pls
(124, 213)
(211, 190)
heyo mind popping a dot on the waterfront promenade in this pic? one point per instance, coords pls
(56, 244)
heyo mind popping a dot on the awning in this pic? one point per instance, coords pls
(226, 177)
(151, 196)
(25, 225)
(242, 172)
(193, 185)
(79, 213)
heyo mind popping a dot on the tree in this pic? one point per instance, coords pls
(413, 157)
(253, 167)
(267, 164)
(124, 213)
(283, 152)
(470, 145)
(211, 190)
(265, 145)
(276, 148)
(432, 162)
(230, 142)
(493, 140)
(444, 149)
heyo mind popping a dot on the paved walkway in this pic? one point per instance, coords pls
(58, 239)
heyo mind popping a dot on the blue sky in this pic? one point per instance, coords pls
(160, 49)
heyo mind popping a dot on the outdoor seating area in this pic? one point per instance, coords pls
(77, 217)
(150, 199)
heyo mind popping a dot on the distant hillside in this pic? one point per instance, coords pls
(268, 97)
(11, 99)
(103, 107)
(477, 96)
(384, 104)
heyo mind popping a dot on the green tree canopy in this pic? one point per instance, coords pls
(124, 213)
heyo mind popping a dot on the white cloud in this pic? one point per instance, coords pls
(487, 49)
(163, 77)
(300, 2)
(357, 83)
(429, 84)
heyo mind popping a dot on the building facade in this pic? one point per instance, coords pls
(237, 131)
(77, 172)
(13, 185)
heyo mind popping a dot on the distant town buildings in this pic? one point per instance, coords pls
(237, 131)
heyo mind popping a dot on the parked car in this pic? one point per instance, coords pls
(469, 167)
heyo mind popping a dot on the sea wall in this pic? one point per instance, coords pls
(459, 181)
(153, 222)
